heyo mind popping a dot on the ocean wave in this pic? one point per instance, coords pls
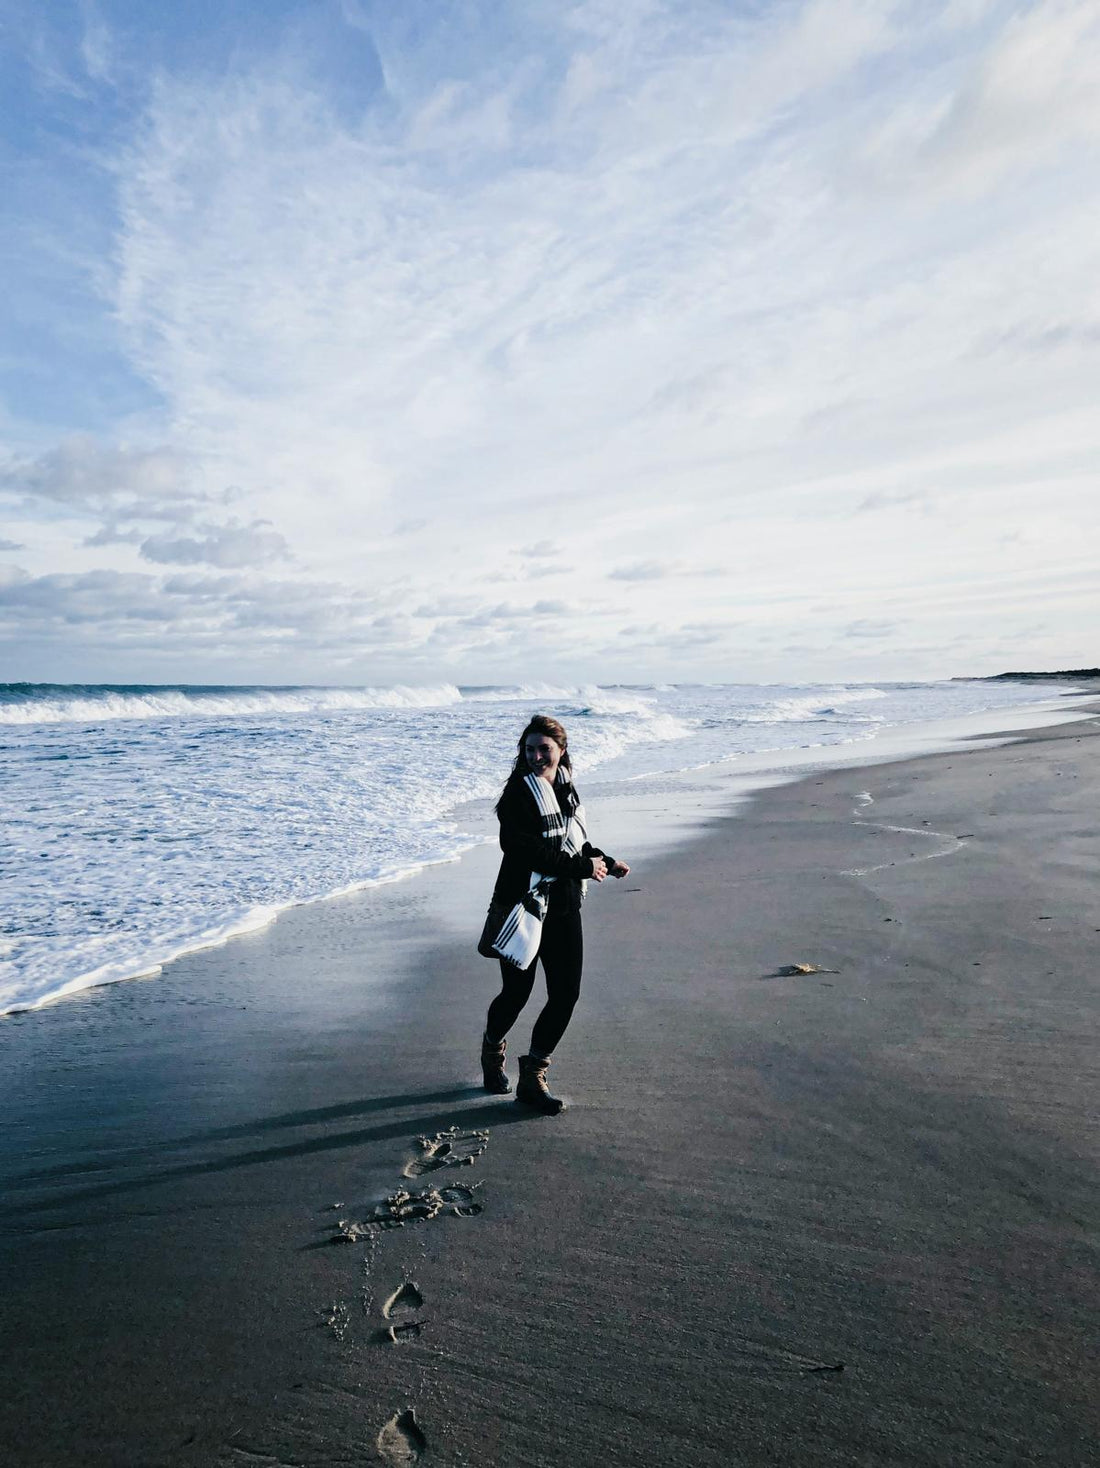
(92, 704)
(823, 704)
(47, 703)
(547, 693)
(585, 699)
(613, 701)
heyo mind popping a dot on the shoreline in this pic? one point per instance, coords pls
(730, 783)
(759, 1178)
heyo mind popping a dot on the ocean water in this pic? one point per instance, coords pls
(138, 823)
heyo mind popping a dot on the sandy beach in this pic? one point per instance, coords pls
(838, 1217)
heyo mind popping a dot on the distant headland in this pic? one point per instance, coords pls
(1032, 677)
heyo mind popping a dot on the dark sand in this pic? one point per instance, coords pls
(893, 1166)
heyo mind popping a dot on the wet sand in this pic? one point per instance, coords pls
(890, 1169)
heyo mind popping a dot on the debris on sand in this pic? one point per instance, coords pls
(789, 970)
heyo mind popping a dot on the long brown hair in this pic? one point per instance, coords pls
(538, 724)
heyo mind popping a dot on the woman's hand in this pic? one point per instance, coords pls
(618, 869)
(599, 868)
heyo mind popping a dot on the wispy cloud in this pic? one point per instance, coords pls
(640, 571)
(733, 293)
(1029, 97)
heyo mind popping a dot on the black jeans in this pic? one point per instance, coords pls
(562, 953)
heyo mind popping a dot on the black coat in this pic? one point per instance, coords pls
(527, 850)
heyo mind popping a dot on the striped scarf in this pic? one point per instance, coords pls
(521, 932)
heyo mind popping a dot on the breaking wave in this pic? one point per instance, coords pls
(47, 703)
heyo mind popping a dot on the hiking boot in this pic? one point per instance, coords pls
(531, 1089)
(494, 1076)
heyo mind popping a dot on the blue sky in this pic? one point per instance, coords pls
(354, 342)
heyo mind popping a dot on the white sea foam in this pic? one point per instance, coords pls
(142, 823)
(541, 693)
(826, 703)
(142, 961)
(174, 703)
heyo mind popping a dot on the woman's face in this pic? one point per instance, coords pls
(543, 755)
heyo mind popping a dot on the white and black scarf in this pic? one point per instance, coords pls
(521, 932)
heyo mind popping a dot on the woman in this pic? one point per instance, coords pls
(536, 907)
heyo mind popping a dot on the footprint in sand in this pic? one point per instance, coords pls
(401, 1441)
(452, 1148)
(404, 1207)
(401, 1310)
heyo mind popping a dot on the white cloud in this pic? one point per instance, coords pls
(786, 306)
(639, 571)
(1032, 94)
(870, 627)
(85, 476)
(63, 601)
(96, 45)
(544, 570)
(112, 534)
(225, 545)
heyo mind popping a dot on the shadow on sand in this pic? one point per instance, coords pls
(487, 1113)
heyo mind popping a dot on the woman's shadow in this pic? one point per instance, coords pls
(488, 1113)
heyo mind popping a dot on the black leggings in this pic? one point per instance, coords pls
(562, 954)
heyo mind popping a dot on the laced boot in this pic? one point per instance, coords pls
(531, 1089)
(494, 1076)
